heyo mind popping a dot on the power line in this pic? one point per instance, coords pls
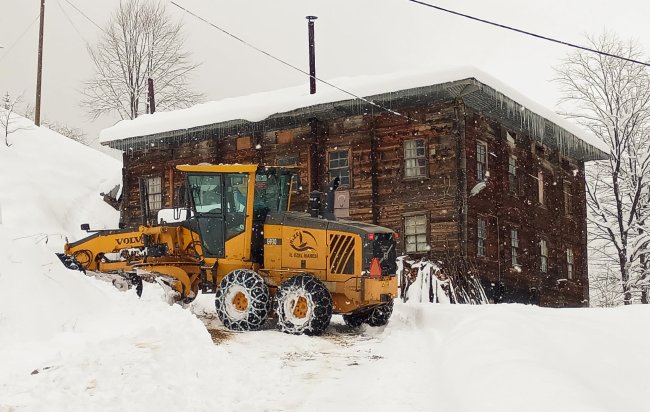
(239, 39)
(71, 22)
(539, 36)
(84, 14)
(6, 53)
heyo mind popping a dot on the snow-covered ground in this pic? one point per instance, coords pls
(72, 343)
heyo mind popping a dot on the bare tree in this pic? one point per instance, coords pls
(611, 98)
(139, 42)
(8, 117)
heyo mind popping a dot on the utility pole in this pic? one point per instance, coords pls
(39, 70)
(312, 54)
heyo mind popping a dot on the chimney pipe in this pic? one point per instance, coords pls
(152, 99)
(312, 55)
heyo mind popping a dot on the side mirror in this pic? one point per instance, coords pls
(85, 226)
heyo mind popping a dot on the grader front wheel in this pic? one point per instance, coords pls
(242, 300)
(303, 305)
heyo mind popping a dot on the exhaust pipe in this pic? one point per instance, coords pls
(328, 213)
(314, 203)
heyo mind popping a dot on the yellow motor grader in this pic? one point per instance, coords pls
(239, 240)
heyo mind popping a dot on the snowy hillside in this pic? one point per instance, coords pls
(50, 184)
(71, 343)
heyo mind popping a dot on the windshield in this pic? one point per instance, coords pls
(272, 188)
(206, 192)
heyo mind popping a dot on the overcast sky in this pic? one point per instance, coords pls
(353, 37)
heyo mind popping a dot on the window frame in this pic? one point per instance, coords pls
(567, 190)
(415, 158)
(514, 247)
(513, 186)
(481, 237)
(484, 164)
(570, 263)
(153, 212)
(348, 167)
(426, 233)
(543, 256)
(540, 188)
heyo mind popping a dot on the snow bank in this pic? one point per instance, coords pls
(67, 341)
(50, 184)
(257, 107)
(499, 358)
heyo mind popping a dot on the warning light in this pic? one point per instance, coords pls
(371, 236)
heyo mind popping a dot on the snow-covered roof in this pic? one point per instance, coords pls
(478, 90)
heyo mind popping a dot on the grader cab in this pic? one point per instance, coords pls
(240, 241)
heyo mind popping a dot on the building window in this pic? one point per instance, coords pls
(153, 187)
(568, 198)
(540, 187)
(481, 236)
(291, 161)
(569, 263)
(481, 160)
(514, 247)
(415, 158)
(512, 174)
(339, 165)
(543, 256)
(415, 230)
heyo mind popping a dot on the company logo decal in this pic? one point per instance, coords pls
(131, 240)
(303, 241)
(305, 245)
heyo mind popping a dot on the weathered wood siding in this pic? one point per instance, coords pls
(523, 212)
(394, 194)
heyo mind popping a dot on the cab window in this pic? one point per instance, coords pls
(206, 192)
(236, 202)
(272, 191)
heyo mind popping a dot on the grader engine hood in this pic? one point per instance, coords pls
(340, 247)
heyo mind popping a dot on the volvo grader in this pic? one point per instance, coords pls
(238, 239)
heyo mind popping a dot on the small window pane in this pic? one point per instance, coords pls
(481, 160)
(415, 228)
(339, 166)
(415, 158)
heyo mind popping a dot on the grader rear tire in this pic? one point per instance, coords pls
(242, 300)
(303, 305)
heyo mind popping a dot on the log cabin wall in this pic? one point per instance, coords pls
(389, 197)
(514, 198)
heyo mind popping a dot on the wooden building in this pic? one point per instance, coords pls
(456, 168)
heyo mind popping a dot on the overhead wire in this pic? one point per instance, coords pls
(7, 50)
(81, 36)
(84, 14)
(528, 33)
(239, 39)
